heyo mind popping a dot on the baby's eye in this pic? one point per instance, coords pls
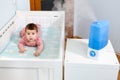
(28, 33)
(33, 33)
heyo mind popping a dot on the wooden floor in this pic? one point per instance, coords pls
(118, 56)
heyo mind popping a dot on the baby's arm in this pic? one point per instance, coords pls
(21, 46)
(22, 32)
(39, 47)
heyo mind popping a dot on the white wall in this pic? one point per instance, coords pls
(86, 11)
(23, 4)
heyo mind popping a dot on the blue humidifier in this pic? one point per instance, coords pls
(98, 38)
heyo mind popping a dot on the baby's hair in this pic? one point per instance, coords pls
(31, 26)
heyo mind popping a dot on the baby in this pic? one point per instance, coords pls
(31, 37)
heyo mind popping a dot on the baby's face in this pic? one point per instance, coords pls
(31, 35)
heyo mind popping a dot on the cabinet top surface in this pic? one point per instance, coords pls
(76, 52)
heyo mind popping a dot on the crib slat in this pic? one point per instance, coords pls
(43, 74)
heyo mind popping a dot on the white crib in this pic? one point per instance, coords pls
(49, 65)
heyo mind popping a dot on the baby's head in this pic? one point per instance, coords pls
(31, 32)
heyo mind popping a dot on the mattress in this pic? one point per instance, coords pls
(51, 39)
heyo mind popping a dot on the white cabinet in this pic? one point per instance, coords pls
(79, 67)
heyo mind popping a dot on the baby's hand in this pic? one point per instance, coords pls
(22, 50)
(37, 53)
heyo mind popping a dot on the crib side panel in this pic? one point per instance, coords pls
(18, 74)
(30, 74)
(6, 33)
